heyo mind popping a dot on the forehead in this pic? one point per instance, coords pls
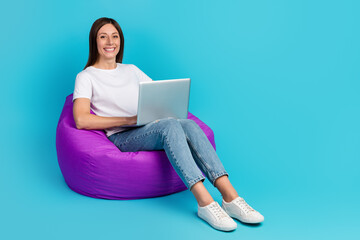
(107, 29)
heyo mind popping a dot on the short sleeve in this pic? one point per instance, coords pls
(142, 77)
(83, 86)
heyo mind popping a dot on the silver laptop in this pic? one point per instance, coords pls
(162, 99)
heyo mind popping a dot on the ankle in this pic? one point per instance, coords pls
(229, 198)
(204, 203)
(202, 196)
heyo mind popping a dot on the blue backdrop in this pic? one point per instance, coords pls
(277, 81)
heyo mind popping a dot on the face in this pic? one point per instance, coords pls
(108, 42)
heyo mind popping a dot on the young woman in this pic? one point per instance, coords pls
(110, 89)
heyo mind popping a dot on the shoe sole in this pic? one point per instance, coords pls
(244, 221)
(216, 227)
(241, 220)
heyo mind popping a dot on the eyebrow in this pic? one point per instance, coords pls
(112, 33)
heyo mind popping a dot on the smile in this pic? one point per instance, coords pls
(109, 49)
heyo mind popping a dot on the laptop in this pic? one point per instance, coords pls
(162, 99)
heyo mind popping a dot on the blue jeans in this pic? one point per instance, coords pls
(184, 142)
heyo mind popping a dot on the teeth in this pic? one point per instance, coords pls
(109, 49)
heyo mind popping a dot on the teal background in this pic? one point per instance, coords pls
(277, 81)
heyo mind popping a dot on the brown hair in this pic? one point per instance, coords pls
(93, 51)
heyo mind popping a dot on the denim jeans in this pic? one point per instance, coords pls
(185, 144)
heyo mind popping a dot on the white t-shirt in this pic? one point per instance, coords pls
(112, 93)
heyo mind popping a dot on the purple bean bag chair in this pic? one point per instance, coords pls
(93, 166)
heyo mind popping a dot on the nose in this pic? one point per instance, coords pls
(110, 41)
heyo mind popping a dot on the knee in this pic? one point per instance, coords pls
(168, 124)
(188, 123)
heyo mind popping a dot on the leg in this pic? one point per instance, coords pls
(168, 134)
(207, 159)
(226, 189)
(201, 194)
(164, 134)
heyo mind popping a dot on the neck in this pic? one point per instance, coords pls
(105, 64)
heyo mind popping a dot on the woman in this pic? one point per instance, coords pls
(110, 89)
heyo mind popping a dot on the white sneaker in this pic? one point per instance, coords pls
(240, 210)
(216, 217)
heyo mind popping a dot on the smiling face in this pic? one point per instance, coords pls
(108, 43)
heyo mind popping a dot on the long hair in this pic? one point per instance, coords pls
(93, 51)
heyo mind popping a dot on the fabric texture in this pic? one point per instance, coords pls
(93, 166)
(112, 93)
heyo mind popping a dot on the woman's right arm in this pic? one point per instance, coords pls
(85, 120)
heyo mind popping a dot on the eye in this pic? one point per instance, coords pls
(116, 36)
(102, 36)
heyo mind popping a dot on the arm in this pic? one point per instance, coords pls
(85, 120)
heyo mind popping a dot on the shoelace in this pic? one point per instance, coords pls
(243, 205)
(218, 211)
